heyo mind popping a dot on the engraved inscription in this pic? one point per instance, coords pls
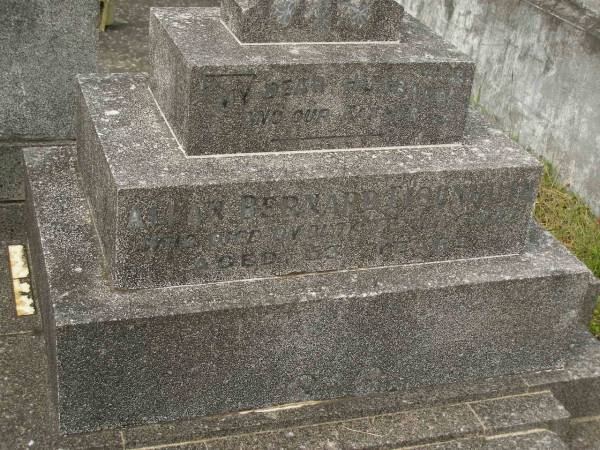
(255, 231)
(300, 105)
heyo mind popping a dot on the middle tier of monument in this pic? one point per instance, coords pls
(166, 219)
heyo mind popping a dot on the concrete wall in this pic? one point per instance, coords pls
(538, 74)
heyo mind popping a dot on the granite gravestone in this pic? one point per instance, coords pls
(192, 263)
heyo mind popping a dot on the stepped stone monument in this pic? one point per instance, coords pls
(295, 205)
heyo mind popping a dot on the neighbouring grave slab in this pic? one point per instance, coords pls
(11, 173)
(167, 219)
(117, 355)
(221, 96)
(44, 43)
(28, 417)
(313, 20)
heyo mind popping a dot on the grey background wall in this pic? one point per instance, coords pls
(538, 74)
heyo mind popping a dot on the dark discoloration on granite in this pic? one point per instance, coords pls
(255, 343)
(165, 219)
(223, 97)
(313, 20)
(533, 440)
(585, 434)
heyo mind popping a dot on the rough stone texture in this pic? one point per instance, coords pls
(531, 440)
(577, 387)
(165, 219)
(43, 45)
(313, 20)
(223, 97)
(537, 440)
(585, 434)
(11, 173)
(28, 420)
(313, 413)
(519, 412)
(389, 431)
(262, 342)
(536, 75)
(24, 405)
(410, 428)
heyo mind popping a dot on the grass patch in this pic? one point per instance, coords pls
(569, 219)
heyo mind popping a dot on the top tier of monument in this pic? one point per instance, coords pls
(312, 20)
(391, 82)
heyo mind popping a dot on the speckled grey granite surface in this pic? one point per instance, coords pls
(43, 45)
(223, 97)
(28, 420)
(166, 219)
(313, 20)
(421, 415)
(255, 343)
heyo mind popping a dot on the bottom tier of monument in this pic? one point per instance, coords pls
(129, 357)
